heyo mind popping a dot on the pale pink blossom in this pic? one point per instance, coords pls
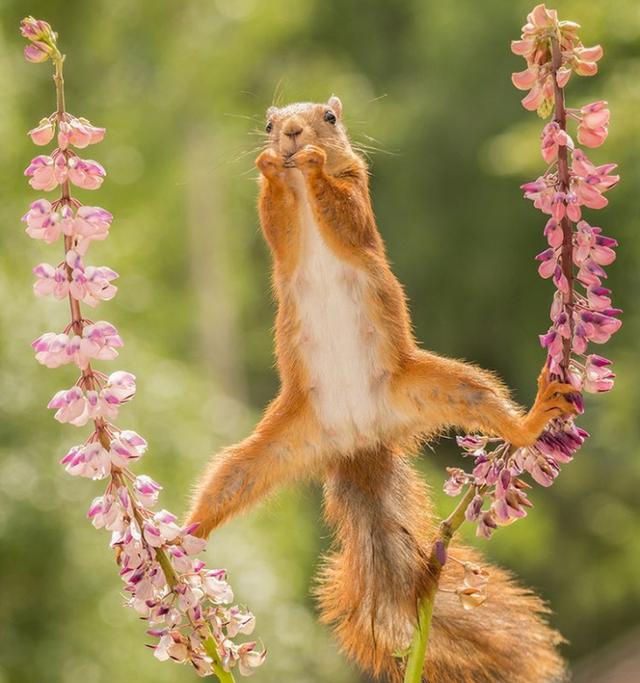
(457, 479)
(193, 545)
(589, 181)
(78, 407)
(216, 587)
(524, 80)
(90, 284)
(43, 133)
(100, 340)
(240, 621)
(45, 223)
(37, 52)
(47, 172)
(598, 298)
(486, 525)
(126, 447)
(249, 657)
(36, 29)
(147, 490)
(70, 406)
(166, 522)
(470, 597)
(78, 132)
(591, 244)
(91, 461)
(475, 576)
(593, 126)
(552, 138)
(85, 173)
(43, 173)
(548, 262)
(50, 281)
(120, 387)
(105, 512)
(598, 376)
(54, 350)
(599, 325)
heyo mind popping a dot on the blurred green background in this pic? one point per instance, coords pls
(181, 88)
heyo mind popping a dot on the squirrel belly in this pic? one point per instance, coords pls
(356, 393)
(338, 340)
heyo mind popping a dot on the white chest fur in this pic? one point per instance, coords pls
(337, 339)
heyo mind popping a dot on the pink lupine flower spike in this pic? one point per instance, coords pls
(188, 607)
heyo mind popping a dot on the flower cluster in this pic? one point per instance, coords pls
(577, 253)
(542, 77)
(188, 607)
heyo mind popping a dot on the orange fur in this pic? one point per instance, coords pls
(356, 392)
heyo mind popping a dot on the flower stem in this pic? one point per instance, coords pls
(212, 650)
(418, 649)
(566, 256)
(169, 572)
(58, 79)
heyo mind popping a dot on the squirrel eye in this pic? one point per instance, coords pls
(330, 117)
(269, 126)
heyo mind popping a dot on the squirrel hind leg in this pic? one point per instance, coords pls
(436, 393)
(282, 448)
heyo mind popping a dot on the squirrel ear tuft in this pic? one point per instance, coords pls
(335, 104)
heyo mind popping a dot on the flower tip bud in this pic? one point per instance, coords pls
(36, 29)
(36, 52)
(440, 552)
(42, 134)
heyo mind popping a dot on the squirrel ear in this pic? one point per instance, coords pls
(335, 104)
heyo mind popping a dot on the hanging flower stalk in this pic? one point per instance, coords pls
(495, 493)
(187, 606)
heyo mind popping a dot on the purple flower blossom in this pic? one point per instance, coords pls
(581, 312)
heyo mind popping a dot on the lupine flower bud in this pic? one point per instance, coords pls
(43, 133)
(475, 576)
(36, 29)
(470, 597)
(37, 52)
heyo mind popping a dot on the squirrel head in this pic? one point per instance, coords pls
(293, 127)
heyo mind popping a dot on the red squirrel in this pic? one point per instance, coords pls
(356, 395)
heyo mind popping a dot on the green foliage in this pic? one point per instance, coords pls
(181, 87)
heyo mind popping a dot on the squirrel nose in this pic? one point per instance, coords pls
(293, 130)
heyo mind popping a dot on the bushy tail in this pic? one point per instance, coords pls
(370, 585)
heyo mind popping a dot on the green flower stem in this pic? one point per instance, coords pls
(212, 650)
(209, 642)
(420, 640)
(169, 572)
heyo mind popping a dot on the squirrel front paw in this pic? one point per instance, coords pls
(270, 164)
(309, 159)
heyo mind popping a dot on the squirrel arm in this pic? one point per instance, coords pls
(277, 206)
(340, 203)
(440, 392)
(278, 452)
